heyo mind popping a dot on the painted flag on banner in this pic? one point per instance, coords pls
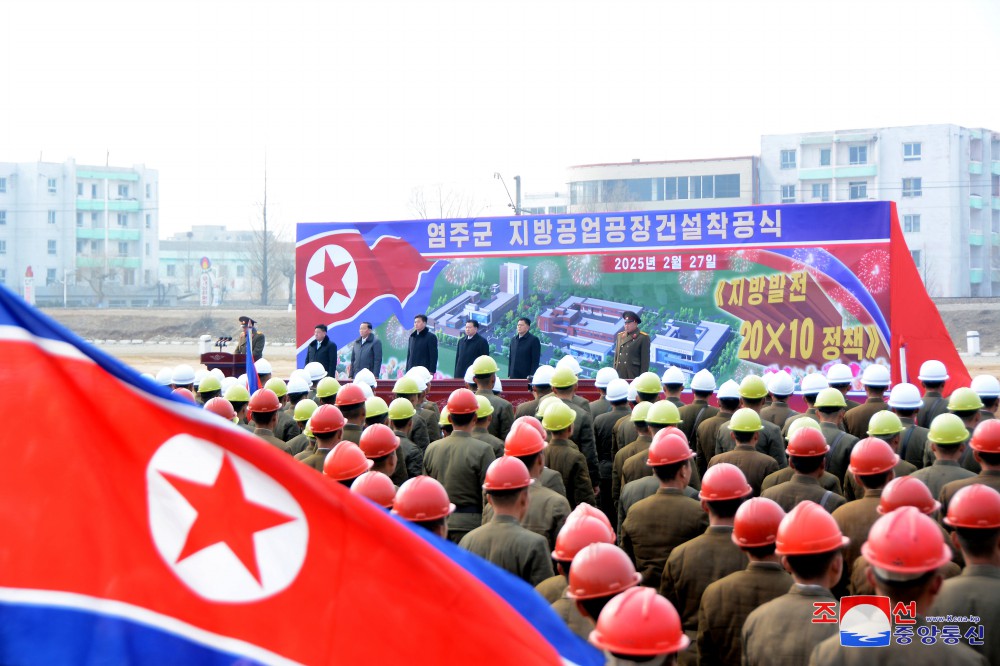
(253, 379)
(162, 533)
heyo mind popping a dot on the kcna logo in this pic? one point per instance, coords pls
(865, 620)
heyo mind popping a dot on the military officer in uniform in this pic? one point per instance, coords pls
(631, 348)
(257, 345)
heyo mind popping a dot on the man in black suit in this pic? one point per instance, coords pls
(423, 348)
(470, 347)
(525, 352)
(323, 351)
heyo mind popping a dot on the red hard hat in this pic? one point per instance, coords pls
(756, 522)
(263, 401)
(907, 542)
(976, 506)
(377, 487)
(674, 430)
(507, 473)
(907, 491)
(184, 393)
(523, 440)
(668, 448)
(809, 529)
(462, 401)
(601, 570)
(807, 443)
(639, 622)
(986, 437)
(724, 481)
(422, 498)
(583, 510)
(346, 461)
(351, 394)
(872, 456)
(222, 407)
(378, 440)
(531, 421)
(326, 418)
(578, 533)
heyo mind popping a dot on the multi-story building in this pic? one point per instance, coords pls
(669, 185)
(548, 203)
(945, 180)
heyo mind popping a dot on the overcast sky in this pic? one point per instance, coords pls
(355, 104)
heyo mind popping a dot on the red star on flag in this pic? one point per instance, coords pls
(331, 278)
(225, 515)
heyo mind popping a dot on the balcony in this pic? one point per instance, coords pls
(975, 275)
(114, 233)
(976, 238)
(113, 262)
(975, 201)
(109, 175)
(995, 239)
(995, 203)
(116, 205)
(826, 173)
(995, 167)
(975, 167)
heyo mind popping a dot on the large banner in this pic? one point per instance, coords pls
(734, 290)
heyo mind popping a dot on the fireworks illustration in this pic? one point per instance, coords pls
(873, 270)
(464, 271)
(846, 303)
(696, 283)
(813, 259)
(742, 261)
(395, 333)
(584, 269)
(545, 276)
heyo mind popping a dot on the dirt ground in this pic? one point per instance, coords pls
(170, 336)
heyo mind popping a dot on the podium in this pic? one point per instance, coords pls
(232, 365)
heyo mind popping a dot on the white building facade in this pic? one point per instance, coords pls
(945, 180)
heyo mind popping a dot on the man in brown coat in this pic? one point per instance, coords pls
(744, 428)
(875, 380)
(563, 456)
(806, 457)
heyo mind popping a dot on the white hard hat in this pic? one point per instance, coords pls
(617, 390)
(814, 382)
(227, 383)
(604, 377)
(242, 379)
(673, 375)
(316, 371)
(703, 380)
(839, 374)
(571, 363)
(263, 366)
(367, 376)
(729, 389)
(933, 371)
(198, 376)
(781, 383)
(421, 372)
(149, 376)
(421, 383)
(905, 396)
(303, 374)
(297, 385)
(165, 377)
(497, 386)
(470, 376)
(543, 375)
(633, 393)
(986, 386)
(182, 375)
(219, 374)
(875, 375)
(365, 388)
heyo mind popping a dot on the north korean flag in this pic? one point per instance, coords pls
(136, 528)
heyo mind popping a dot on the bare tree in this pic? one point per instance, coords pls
(271, 258)
(100, 276)
(434, 202)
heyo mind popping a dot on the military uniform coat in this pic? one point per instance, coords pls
(459, 462)
(526, 408)
(859, 573)
(287, 428)
(547, 511)
(503, 413)
(583, 436)
(933, 404)
(725, 605)
(640, 489)
(853, 489)
(563, 457)
(828, 481)
(506, 544)
(640, 444)
(756, 466)
(810, 412)
(553, 480)
(257, 348)
(975, 592)
(430, 419)
(838, 458)
(352, 433)
(655, 526)
(631, 354)
(566, 609)
(777, 413)
(604, 426)
(856, 419)
(855, 519)
(704, 442)
(940, 474)
(410, 456)
(692, 416)
(495, 443)
(297, 444)
(800, 488)
(831, 653)
(624, 432)
(913, 446)
(769, 442)
(553, 588)
(987, 477)
(419, 434)
(781, 632)
(267, 435)
(316, 459)
(598, 407)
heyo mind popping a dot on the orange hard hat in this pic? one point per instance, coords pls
(976, 506)
(674, 430)
(529, 421)
(601, 570)
(182, 392)
(807, 443)
(907, 491)
(523, 440)
(222, 407)
(906, 542)
(809, 529)
(872, 456)
(639, 622)
(583, 509)
(986, 437)
(351, 394)
(756, 522)
(422, 498)
(378, 440)
(326, 418)
(377, 487)
(724, 481)
(668, 448)
(507, 473)
(346, 461)
(462, 401)
(263, 401)
(579, 533)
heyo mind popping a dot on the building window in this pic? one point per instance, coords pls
(916, 257)
(145, 276)
(824, 157)
(52, 247)
(128, 277)
(79, 189)
(821, 191)
(123, 249)
(50, 276)
(727, 186)
(79, 219)
(911, 151)
(147, 249)
(149, 190)
(149, 221)
(93, 218)
(52, 217)
(912, 187)
(3, 217)
(858, 155)
(52, 185)
(788, 159)
(122, 219)
(911, 223)
(240, 271)
(123, 190)
(3, 184)
(3, 247)
(787, 194)
(3, 275)
(859, 190)
(171, 270)
(93, 190)
(94, 245)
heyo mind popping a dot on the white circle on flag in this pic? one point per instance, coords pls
(322, 259)
(215, 571)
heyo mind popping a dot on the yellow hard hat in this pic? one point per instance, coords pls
(564, 378)
(745, 420)
(830, 397)
(327, 387)
(962, 400)
(406, 386)
(884, 423)
(401, 409)
(663, 412)
(238, 393)
(800, 423)
(641, 411)
(484, 365)
(444, 419)
(648, 382)
(485, 407)
(276, 384)
(558, 416)
(304, 409)
(375, 406)
(753, 387)
(947, 429)
(212, 383)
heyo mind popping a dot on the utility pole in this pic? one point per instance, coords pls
(265, 287)
(517, 195)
